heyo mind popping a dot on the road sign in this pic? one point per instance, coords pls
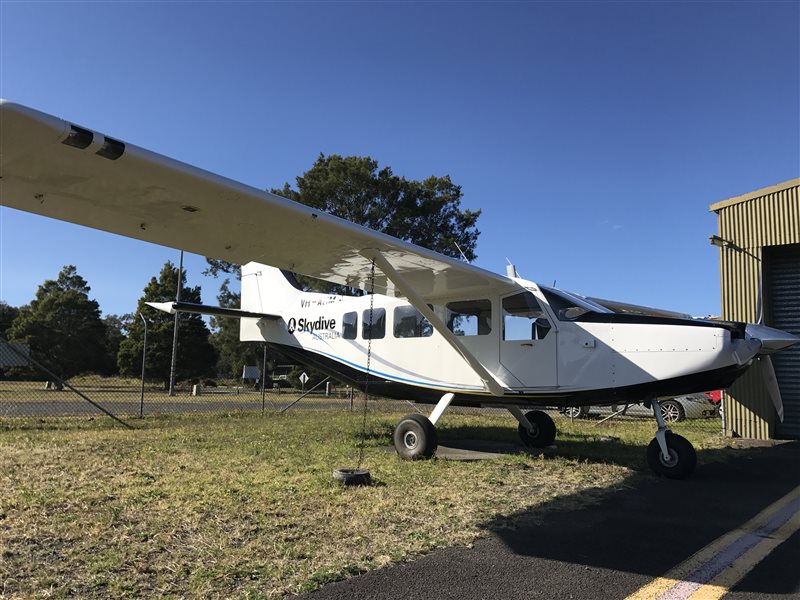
(303, 378)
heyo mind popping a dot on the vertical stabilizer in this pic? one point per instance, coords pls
(266, 289)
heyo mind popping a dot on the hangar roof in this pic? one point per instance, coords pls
(778, 187)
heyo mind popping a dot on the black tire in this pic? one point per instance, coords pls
(415, 438)
(672, 411)
(683, 457)
(544, 430)
(352, 476)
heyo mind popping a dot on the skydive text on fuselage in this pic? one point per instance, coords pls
(307, 325)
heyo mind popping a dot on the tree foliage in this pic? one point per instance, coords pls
(7, 315)
(116, 328)
(427, 213)
(196, 356)
(62, 325)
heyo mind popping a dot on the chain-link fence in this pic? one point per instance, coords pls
(32, 390)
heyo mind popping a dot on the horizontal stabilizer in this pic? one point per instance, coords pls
(202, 309)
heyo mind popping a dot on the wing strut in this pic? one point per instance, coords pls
(489, 382)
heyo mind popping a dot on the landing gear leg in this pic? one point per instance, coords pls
(536, 427)
(415, 435)
(669, 454)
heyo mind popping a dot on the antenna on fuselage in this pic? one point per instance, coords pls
(460, 251)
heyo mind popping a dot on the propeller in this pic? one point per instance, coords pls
(772, 341)
(771, 383)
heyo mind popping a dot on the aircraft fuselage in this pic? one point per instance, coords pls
(543, 346)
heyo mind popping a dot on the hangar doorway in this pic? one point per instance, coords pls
(782, 299)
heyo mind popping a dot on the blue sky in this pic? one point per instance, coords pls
(593, 136)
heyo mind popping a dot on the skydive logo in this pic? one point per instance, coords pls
(307, 325)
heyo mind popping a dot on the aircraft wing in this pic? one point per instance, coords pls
(54, 168)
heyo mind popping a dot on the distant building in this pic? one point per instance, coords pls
(760, 239)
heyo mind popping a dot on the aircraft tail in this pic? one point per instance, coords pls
(266, 289)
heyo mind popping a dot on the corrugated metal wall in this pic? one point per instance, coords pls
(752, 222)
(783, 311)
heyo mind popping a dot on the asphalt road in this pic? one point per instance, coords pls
(614, 548)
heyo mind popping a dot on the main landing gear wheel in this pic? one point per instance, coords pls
(542, 432)
(415, 437)
(682, 457)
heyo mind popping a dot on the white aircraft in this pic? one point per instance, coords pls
(433, 329)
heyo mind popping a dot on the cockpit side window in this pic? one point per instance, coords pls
(523, 318)
(469, 317)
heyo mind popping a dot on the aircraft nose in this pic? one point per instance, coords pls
(772, 340)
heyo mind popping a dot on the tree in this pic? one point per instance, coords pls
(116, 328)
(196, 356)
(427, 213)
(7, 315)
(63, 327)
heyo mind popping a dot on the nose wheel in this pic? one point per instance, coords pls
(680, 461)
(669, 454)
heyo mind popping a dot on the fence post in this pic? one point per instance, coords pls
(263, 378)
(144, 358)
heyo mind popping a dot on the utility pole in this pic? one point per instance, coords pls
(175, 332)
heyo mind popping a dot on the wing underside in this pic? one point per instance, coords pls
(53, 168)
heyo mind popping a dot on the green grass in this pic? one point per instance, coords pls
(245, 506)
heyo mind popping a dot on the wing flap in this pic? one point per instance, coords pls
(146, 196)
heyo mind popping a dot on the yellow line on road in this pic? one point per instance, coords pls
(711, 572)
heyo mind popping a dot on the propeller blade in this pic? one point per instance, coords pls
(760, 299)
(771, 381)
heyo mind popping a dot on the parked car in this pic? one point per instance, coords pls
(691, 406)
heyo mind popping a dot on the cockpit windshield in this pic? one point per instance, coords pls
(569, 306)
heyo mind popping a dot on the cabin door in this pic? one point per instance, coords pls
(528, 342)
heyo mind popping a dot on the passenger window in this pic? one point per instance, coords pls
(409, 323)
(470, 317)
(523, 318)
(349, 325)
(377, 328)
